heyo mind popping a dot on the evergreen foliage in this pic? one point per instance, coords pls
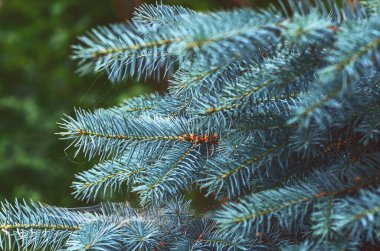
(35, 72)
(273, 112)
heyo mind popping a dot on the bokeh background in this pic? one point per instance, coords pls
(38, 84)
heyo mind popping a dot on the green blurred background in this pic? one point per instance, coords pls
(38, 84)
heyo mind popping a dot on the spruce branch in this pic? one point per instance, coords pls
(160, 15)
(36, 226)
(108, 133)
(324, 219)
(170, 176)
(256, 213)
(359, 216)
(130, 49)
(97, 235)
(195, 77)
(277, 80)
(122, 51)
(312, 29)
(107, 176)
(355, 55)
(234, 176)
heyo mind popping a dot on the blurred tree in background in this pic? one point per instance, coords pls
(38, 85)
